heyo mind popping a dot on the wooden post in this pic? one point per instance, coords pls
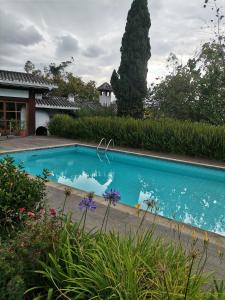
(31, 113)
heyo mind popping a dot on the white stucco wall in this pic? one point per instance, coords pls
(105, 100)
(41, 118)
(14, 93)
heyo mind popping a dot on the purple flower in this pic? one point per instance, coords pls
(87, 203)
(112, 196)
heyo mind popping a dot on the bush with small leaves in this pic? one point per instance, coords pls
(163, 135)
(18, 191)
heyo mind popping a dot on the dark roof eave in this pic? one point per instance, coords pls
(105, 87)
(28, 85)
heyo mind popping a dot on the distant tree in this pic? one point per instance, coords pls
(57, 72)
(53, 71)
(196, 90)
(29, 67)
(172, 63)
(217, 21)
(71, 84)
(211, 86)
(129, 84)
(175, 95)
(67, 82)
(211, 65)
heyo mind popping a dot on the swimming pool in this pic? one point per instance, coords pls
(192, 194)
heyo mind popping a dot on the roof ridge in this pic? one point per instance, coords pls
(1, 70)
(25, 79)
(105, 86)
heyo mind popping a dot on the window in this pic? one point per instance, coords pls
(10, 114)
(10, 106)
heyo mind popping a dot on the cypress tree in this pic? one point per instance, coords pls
(129, 83)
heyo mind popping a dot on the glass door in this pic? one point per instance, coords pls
(10, 117)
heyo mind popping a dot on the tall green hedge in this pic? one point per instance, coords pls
(165, 135)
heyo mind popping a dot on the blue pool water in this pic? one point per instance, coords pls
(188, 193)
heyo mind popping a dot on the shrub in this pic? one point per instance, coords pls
(97, 110)
(165, 135)
(21, 255)
(17, 190)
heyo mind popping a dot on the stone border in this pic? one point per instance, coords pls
(37, 148)
(186, 229)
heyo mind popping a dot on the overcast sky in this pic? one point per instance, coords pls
(45, 31)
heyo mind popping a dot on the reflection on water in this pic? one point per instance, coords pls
(87, 182)
(190, 194)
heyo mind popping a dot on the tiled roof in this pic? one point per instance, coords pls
(55, 103)
(24, 79)
(105, 87)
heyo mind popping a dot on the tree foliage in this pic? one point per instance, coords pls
(75, 85)
(29, 67)
(57, 72)
(67, 82)
(129, 83)
(195, 91)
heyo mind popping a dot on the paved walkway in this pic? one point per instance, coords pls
(124, 218)
(17, 143)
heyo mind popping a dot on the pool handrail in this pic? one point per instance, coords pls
(107, 147)
(103, 139)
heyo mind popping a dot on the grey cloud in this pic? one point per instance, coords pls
(10, 63)
(98, 25)
(8, 50)
(12, 31)
(162, 47)
(67, 45)
(93, 51)
(110, 59)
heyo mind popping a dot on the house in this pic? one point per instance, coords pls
(25, 105)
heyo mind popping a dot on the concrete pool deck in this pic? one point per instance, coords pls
(124, 218)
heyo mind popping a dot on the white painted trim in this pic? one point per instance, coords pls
(14, 93)
(56, 107)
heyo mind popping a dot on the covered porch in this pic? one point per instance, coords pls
(17, 101)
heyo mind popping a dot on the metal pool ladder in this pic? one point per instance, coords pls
(100, 143)
(106, 146)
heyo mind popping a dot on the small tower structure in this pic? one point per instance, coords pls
(105, 93)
